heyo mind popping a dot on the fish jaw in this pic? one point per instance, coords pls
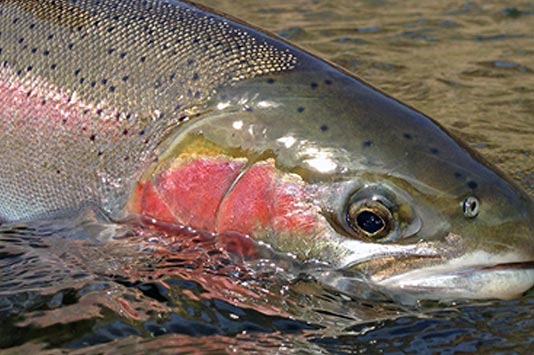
(478, 275)
(426, 271)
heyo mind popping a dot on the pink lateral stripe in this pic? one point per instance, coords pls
(36, 102)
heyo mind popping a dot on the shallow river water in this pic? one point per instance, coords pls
(123, 290)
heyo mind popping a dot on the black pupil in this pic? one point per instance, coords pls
(369, 222)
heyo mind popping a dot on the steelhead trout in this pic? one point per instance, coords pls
(169, 110)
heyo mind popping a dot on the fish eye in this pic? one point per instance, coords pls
(471, 206)
(370, 218)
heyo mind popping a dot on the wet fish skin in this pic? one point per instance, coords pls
(92, 93)
(90, 88)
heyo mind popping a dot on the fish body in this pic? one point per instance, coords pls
(169, 110)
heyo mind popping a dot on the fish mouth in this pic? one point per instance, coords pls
(462, 278)
(408, 274)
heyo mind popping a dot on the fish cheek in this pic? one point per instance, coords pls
(267, 203)
(187, 191)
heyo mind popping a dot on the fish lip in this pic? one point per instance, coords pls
(361, 253)
(446, 272)
(503, 279)
(518, 265)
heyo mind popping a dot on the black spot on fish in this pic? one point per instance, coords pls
(32, 26)
(313, 86)
(300, 109)
(112, 89)
(142, 59)
(77, 72)
(367, 144)
(93, 84)
(50, 36)
(104, 81)
(53, 66)
(248, 109)
(125, 78)
(99, 112)
(111, 29)
(19, 72)
(407, 135)
(15, 20)
(125, 132)
(92, 137)
(270, 81)
(123, 55)
(328, 82)
(324, 128)
(111, 50)
(472, 184)
(21, 40)
(29, 68)
(34, 50)
(434, 151)
(82, 80)
(46, 52)
(70, 46)
(141, 132)
(190, 61)
(195, 77)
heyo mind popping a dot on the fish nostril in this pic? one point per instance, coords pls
(471, 207)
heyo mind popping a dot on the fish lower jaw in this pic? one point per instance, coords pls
(473, 276)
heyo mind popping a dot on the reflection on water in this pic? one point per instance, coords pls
(93, 287)
(148, 292)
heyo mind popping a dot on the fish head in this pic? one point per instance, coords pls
(322, 166)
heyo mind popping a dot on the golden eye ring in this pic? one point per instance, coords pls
(370, 219)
